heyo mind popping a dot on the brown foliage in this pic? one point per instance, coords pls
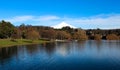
(62, 35)
(112, 37)
(80, 35)
(50, 34)
(32, 35)
(97, 37)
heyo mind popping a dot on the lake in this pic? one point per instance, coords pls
(83, 55)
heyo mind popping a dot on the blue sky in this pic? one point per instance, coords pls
(86, 14)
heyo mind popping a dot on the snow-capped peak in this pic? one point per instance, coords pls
(61, 25)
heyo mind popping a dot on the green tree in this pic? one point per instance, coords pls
(17, 34)
(6, 29)
(68, 29)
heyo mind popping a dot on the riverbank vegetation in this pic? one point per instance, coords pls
(15, 42)
(9, 31)
(13, 35)
(100, 34)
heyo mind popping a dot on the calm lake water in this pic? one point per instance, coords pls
(84, 55)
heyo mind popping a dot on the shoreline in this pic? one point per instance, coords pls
(19, 42)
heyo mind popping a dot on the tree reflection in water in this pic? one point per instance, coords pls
(7, 53)
(70, 55)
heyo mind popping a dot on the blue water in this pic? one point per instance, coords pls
(84, 55)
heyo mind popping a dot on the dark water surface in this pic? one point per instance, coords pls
(84, 55)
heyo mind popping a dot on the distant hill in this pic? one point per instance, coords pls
(62, 24)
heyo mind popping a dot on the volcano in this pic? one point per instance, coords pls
(63, 24)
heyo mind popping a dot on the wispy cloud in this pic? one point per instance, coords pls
(47, 18)
(111, 19)
(97, 21)
(20, 18)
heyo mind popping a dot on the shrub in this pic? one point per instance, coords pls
(112, 37)
(33, 35)
(97, 37)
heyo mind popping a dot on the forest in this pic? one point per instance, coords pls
(9, 31)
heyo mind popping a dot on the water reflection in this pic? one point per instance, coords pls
(8, 52)
(49, 48)
(32, 49)
(55, 55)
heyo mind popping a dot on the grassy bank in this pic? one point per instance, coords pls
(8, 42)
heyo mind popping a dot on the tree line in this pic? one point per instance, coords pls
(8, 30)
(106, 34)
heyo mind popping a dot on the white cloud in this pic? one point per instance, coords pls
(97, 21)
(113, 19)
(20, 18)
(47, 18)
(100, 21)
